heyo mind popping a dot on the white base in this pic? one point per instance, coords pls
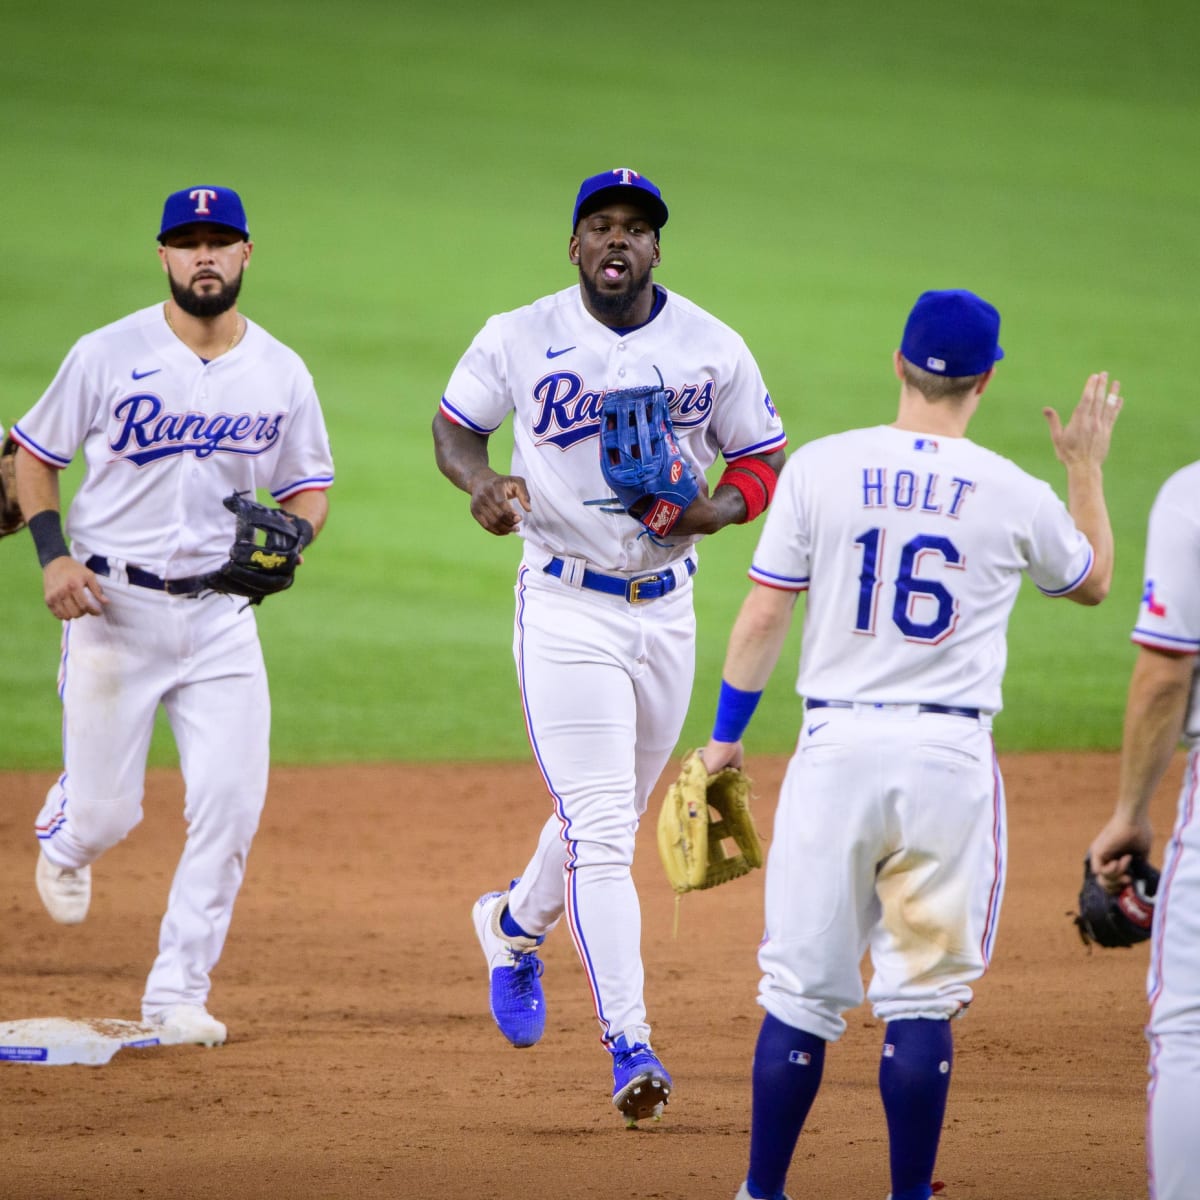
(60, 1041)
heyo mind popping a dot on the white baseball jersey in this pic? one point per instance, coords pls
(1169, 617)
(166, 436)
(551, 363)
(915, 546)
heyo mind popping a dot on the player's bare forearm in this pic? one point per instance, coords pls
(1086, 503)
(1154, 714)
(462, 456)
(37, 484)
(757, 637)
(726, 506)
(1155, 709)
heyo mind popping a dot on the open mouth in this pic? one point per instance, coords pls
(614, 268)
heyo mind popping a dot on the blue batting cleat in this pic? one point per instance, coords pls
(514, 973)
(641, 1084)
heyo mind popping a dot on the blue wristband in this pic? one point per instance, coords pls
(734, 710)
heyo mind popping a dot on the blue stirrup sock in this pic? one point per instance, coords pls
(914, 1081)
(511, 927)
(787, 1073)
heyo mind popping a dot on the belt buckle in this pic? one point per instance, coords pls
(633, 591)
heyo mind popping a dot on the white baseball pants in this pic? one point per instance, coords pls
(889, 836)
(605, 686)
(201, 659)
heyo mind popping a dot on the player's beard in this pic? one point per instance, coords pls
(211, 304)
(615, 308)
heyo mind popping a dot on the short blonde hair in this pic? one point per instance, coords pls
(937, 387)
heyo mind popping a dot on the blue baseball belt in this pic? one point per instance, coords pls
(637, 590)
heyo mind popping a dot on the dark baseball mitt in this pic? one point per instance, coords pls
(265, 552)
(640, 458)
(1117, 918)
(11, 519)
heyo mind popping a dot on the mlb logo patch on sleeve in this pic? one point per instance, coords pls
(927, 445)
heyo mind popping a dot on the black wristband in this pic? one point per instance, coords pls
(305, 530)
(46, 528)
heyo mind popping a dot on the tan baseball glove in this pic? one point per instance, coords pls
(11, 519)
(701, 816)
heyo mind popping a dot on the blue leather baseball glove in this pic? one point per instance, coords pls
(640, 458)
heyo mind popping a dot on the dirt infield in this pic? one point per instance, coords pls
(362, 1061)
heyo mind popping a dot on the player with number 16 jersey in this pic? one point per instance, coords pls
(910, 541)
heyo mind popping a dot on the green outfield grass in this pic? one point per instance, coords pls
(410, 169)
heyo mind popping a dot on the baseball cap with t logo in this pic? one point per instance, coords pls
(619, 184)
(203, 206)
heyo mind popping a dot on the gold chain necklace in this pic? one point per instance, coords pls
(238, 329)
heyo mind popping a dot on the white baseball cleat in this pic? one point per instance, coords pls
(744, 1193)
(66, 892)
(185, 1024)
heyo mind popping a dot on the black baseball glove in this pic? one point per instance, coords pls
(1117, 918)
(11, 519)
(640, 458)
(259, 567)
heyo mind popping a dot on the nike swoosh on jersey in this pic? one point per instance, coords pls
(813, 728)
(143, 374)
(552, 353)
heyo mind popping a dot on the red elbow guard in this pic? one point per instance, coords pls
(755, 480)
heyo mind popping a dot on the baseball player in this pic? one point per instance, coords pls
(1163, 707)
(604, 629)
(910, 541)
(174, 408)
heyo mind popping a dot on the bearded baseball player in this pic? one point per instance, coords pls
(1163, 709)
(182, 410)
(889, 836)
(622, 394)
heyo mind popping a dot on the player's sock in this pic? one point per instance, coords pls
(914, 1080)
(511, 927)
(787, 1073)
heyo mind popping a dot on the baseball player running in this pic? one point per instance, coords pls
(175, 407)
(1163, 707)
(910, 541)
(604, 630)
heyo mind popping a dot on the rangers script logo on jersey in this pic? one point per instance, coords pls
(570, 413)
(147, 433)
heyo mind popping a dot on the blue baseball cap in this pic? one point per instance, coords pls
(619, 184)
(203, 205)
(952, 333)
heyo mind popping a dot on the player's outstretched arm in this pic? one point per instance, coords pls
(1082, 446)
(462, 456)
(726, 506)
(1155, 709)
